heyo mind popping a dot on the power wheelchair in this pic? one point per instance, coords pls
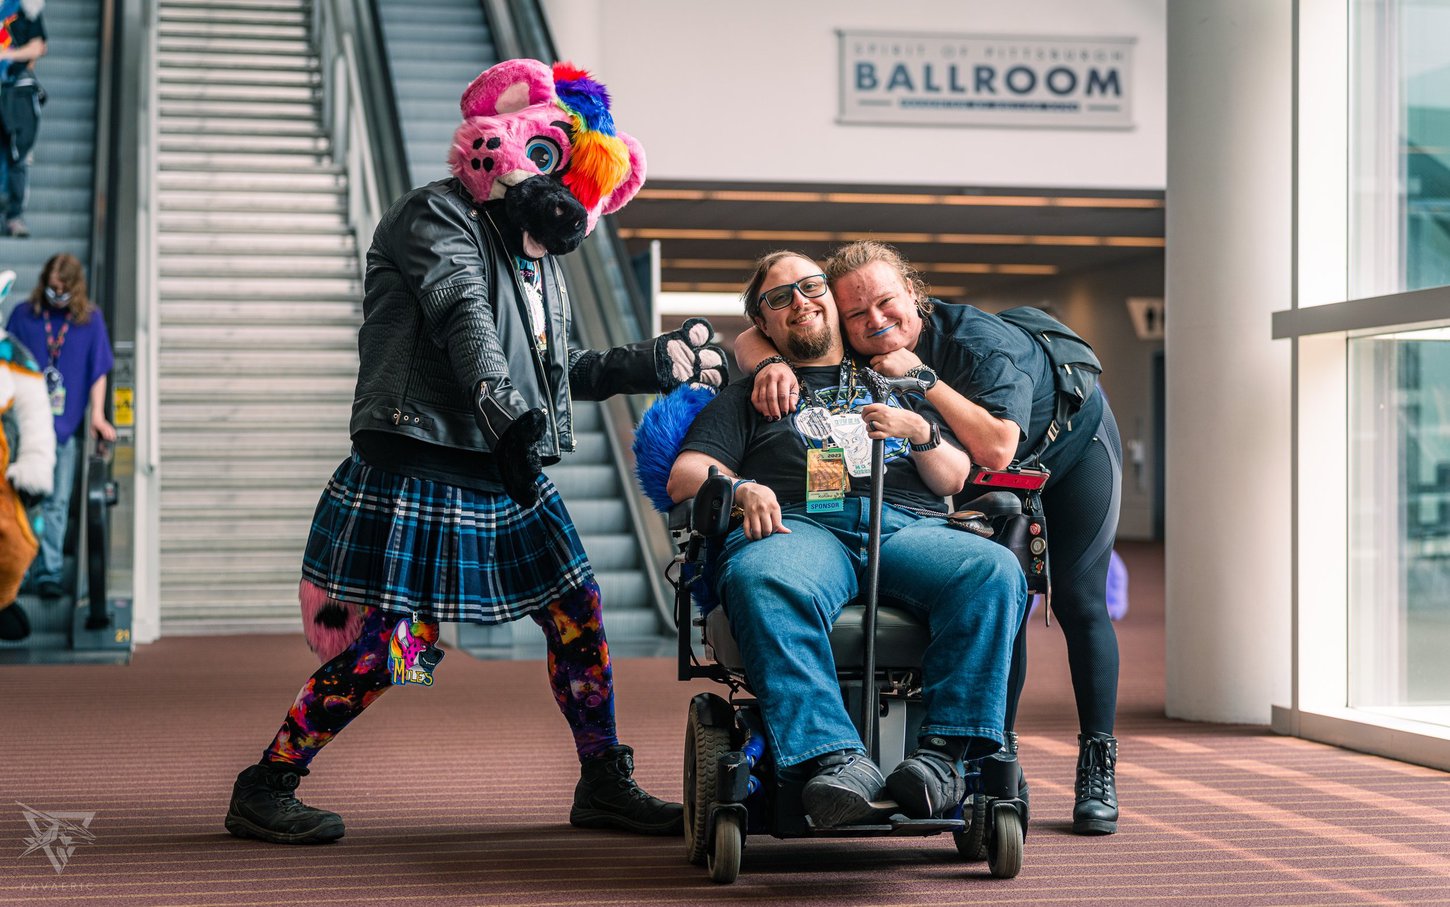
(731, 786)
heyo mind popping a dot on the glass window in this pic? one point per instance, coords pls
(1399, 526)
(1399, 150)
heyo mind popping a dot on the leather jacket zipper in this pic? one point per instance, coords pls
(563, 346)
(521, 305)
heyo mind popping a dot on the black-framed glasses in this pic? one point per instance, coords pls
(781, 296)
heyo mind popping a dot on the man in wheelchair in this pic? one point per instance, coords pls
(799, 555)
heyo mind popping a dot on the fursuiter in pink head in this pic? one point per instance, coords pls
(544, 141)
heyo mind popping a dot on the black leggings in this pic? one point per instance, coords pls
(1081, 506)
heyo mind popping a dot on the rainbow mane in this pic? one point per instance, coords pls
(600, 161)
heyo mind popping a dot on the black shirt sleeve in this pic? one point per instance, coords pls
(723, 428)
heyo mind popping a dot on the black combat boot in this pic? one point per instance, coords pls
(263, 807)
(1096, 810)
(607, 797)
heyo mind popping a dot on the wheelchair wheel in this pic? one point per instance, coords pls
(704, 746)
(729, 844)
(972, 843)
(1004, 851)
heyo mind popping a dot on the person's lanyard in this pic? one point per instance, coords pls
(53, 344)
(54, 380)
(845, 392)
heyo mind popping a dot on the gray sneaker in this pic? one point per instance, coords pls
(842, 789)
(16, 227)
(927, 783)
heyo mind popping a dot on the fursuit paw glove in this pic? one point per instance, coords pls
(687, 356)
(517, 456)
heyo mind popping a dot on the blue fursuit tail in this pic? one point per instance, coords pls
(658, 437)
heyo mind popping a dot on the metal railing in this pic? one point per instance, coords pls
(356, 93)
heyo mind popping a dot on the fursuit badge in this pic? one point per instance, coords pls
(411, 658)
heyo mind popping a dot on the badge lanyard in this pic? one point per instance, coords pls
(54, 380)
(846, 446)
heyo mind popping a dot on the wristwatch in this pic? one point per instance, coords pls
(925, 374)
(934, 441)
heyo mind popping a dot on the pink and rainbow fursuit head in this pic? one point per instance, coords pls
(544, 140)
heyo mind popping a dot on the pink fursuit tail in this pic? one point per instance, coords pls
(330, 627)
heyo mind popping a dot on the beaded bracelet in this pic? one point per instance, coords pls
(772, 360)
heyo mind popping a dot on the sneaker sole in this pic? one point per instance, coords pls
(325, 833)
(834, 806)
(596, 819)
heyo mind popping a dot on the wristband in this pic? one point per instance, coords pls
(932, 442)
(735, 486)
(771, 360)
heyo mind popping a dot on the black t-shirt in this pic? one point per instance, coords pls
(999, 367)
(16, 32)
(774, 453)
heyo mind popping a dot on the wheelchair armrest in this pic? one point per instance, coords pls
(994, 504)
(679, 516)
(710, 510)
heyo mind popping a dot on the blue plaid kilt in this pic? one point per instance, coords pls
(399, 543)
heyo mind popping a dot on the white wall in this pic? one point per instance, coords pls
(747, 91)
(1229, 259)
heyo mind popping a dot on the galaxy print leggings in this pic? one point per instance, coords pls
(579, 673)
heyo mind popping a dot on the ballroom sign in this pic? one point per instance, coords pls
(892, 78)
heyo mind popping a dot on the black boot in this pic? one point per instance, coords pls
(263, 807)
(14, 625)
(607, 797)
(1096, 810)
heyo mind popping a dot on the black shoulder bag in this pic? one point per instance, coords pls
(1075, 368)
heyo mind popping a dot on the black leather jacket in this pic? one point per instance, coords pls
(444, 313)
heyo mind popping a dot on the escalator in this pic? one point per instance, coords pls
(66, 195)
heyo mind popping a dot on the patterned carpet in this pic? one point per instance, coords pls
(458, 795)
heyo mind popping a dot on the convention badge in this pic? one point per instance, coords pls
(411, 659)
(55, 388)
(826, 482)
(849, 431)
(814, 422)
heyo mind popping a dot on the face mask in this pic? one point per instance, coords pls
(59, 300)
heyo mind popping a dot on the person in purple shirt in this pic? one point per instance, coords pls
(68, 335)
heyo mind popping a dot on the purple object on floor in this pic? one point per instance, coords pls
(1117, 587)
(1117, 590)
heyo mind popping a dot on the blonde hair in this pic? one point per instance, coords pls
(857, 255)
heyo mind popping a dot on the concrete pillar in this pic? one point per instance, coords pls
(1229, 265)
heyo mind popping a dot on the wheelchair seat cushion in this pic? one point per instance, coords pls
(900, 638)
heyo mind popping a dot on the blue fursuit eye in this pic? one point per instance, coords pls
(544, 153)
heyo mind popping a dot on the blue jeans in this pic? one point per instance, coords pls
(15, 183)
(782, 594)
(50, 565)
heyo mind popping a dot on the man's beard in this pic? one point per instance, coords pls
(809, 346)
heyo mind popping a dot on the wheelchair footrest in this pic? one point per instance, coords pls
(896, 826)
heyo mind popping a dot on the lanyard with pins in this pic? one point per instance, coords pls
(53, 344)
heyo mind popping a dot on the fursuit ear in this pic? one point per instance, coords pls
(508, 87)
(631, 185)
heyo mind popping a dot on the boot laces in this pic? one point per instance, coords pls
(620, 776)
(1095, 769)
